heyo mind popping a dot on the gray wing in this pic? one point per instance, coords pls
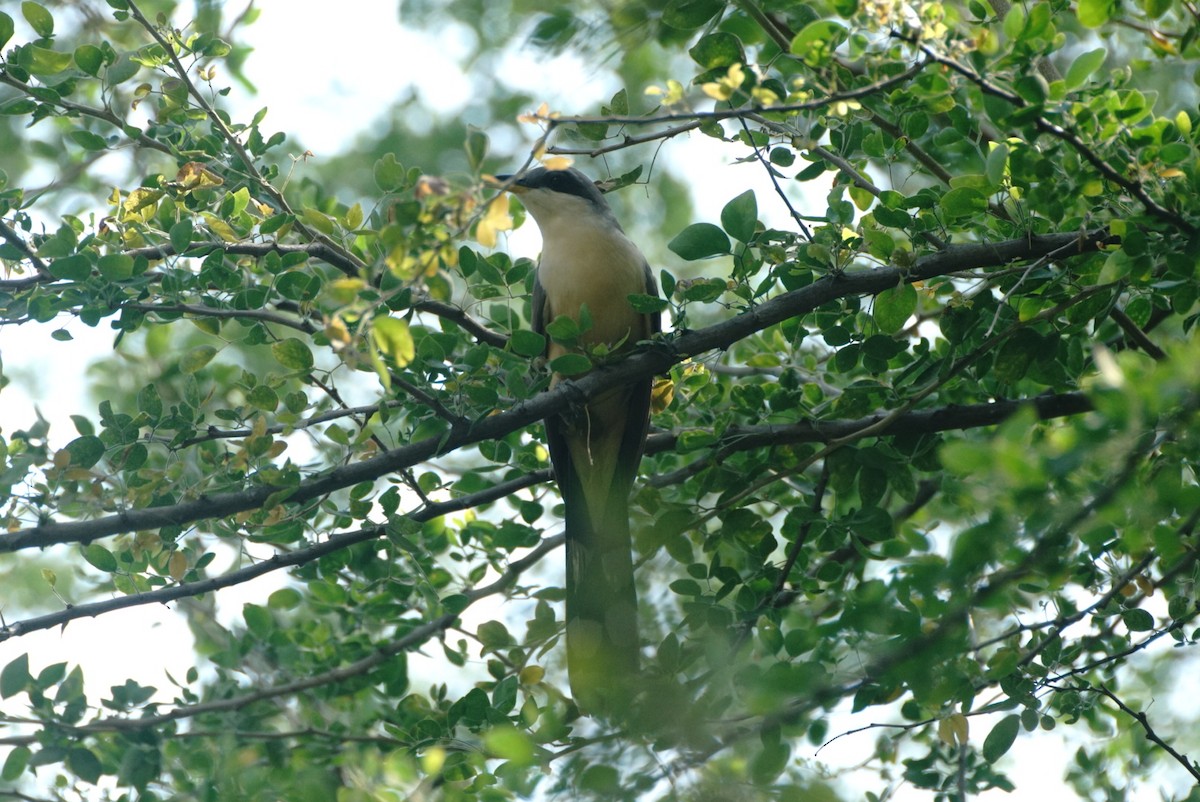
(537, 315)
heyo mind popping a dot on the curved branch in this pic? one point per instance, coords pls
(716, 115)
(283, 560)
(657, 358)
(210, 311)
(1132, 186)
(926, 421)
(1152, 736)
(460, 318)
(93, 112)
(353, 265)
(414, 637)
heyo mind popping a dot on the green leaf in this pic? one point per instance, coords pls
(15, 763)
(1083, 66)
(150, 402)
(15, 677)
(996, 162)
(600, 780)
(563, 329)
(284, 599)
(38, 18)
(963, 202)
(76, 267)
(648, 304)
(528, 343)
(571, 364)
(42, 61)
(700, 241)
(1001, 738)
(770, 763)
(85, 451)
(716, 50)
(509, 743)
(6, 28)
(1138, 620)
(1017, 354)
(476, 145)
(89, 58)
(895, 306)
(818, 40)
(88, 140)
(197, 358)
(705, 290)
(181, 235)
(740, 216)
(263, 397)
(686, 587)
(100, 557)
(115, 266)
(493, 635)
(687, 15)
(1094, 13)
(389, 174)
(258, 620)
(393, 337)
(293, 354)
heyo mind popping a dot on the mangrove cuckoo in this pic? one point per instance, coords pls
(587, 261)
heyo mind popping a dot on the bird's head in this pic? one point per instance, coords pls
(552, 196)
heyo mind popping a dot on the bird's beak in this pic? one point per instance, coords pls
(507, 183)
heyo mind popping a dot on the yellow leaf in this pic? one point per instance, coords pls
(495, 219)
(345, 290)
(194, 175)
(661, 395)
(336, 331)
(220, 227)
(671, 95)
(557, 163)
(177, 565)
(531, 675)
(141, 204)
(394, 338)
(354, 216)
(717, 91)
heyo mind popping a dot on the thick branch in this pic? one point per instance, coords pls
(749, 438)
(647, 362)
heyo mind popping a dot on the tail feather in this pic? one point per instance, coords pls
(595, 460)
(602, 631)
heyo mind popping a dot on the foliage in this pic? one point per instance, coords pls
(926, 454)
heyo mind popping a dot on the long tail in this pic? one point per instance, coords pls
(602, 630)
(596, 460)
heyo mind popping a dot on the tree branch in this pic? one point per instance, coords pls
(280, 560)
(648, 361)
(353, 264)
(699, 117)
(1132, 186)
(414, 637)
(1151, 735)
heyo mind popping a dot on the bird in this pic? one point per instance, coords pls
(587, 261)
